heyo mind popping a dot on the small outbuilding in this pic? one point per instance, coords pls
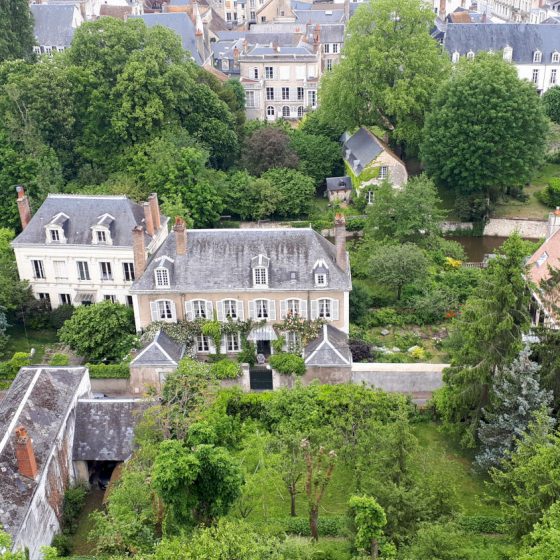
(339, 189)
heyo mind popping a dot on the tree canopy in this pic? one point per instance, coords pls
(16, 30)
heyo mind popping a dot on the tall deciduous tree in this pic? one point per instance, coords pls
(268, 147)
(389, 70)
(13, 292)
(517, 395)
(100, 332)
(16, 30)
(295, 191)
(551, 101)
(369, 519)
(486, 337)
(486, 131)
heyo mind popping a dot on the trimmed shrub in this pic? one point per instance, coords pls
(355, 224)
(287, 364)
(226, 369)
(59, 360)
(482, 524)
(109, 371)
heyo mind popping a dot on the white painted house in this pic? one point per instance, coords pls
(534, 50)
(80, 249)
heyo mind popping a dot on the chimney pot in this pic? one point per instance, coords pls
(27, 465)
(154, 206)
(180, 236)
(24, 208)
(340, 241)
(148, 220)
(139, 251)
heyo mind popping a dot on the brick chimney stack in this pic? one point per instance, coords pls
(27, 465)
(148, 219)
(154, 206)
(139, 251)
(23, 206)
(340, 241)
(180, 236)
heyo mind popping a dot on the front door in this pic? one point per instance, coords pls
(263, 347)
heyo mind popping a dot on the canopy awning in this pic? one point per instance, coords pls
(87, 297)
(262, 333)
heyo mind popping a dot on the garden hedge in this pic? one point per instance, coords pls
(109, 371)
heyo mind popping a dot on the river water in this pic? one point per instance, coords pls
(477, 247)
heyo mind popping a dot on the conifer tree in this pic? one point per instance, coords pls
(517, 395)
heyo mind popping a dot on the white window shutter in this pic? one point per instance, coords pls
(220, 307)
(314, 309)
(283, 309)
(189, 310)
(211, 346)
(209, 310)
(223, 344)
(154, 310)
(303, 308)
(271, 310)
(252, 310)
(240, 310)
(173, 311)
(334, 312)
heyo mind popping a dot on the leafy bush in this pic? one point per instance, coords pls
(550, 195)
(482, 524)
(60, 315)
(287, 364)
(396, 358)
(37, 313)
(334, 526)
(360, 350)
(63, 544)
(109, 371)
(553, 157)
(248, 354)
(320, 225)
(226, 369)
(360, 302)
(74, 499)
(10, 368)
(385, 317)
(355, 224)
(59, 360)
(418, 354)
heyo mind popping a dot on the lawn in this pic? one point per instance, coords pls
(22, 340)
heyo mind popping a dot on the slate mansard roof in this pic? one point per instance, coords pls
(82, 213)
(39, 399)
(361, 149)
(53, 24)
(105, 428)
(220, 260)
(523, 38)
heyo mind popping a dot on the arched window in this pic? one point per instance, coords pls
(199, 309)
(455, 57)
(537, 56)
(270, 111)
(285, 111)
(230, 309)
(300, 111)
(162, 277)
(555, 57)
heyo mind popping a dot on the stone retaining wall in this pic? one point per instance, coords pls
(532, 229)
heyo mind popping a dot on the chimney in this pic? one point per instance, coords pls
(553, 223)
(27, 465)
(236, 54)
(154, 206)
(180, 236)
(340, 241)
(317, 34)
(245, 46)
(23, 207)
(139, 251)
(148, 219)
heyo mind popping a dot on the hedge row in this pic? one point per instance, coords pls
(109, 371)
(482, 524)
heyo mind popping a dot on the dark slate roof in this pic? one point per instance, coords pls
(329, 349)
(161, 351)
(362, 146)
(332, 33)
(339, 183)
(303, 49)
(319, 16)
(53, 24)
(523, 38)
(181, 24)
(83, 213)
(220, 260)
(39, 399)
(105, 428)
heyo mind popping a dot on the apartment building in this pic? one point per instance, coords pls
(79, 249)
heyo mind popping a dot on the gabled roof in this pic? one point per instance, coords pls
(181, 24)
(161, 351)
(362, 148)
(54, 23)
(329, 349)
(83, 212)
(39, 399)
(220, 260)
(105, 428)
(339, 183)
(547, 255)
(523, 38)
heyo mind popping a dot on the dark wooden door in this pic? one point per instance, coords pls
(260, 379)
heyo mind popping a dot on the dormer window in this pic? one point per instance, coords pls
(162, 277)
(101, 236)
(321, 274)
(508, 54)
(260, 266)
(555, 57)
(54, 230)
(320, 279)
(455, 57)
(55, 235)
(537, 57)
(470, 55)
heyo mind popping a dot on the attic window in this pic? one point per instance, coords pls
(293, 276)
(508, 54)
(260, 276)
(542, 259)
(555, 57)
(54, 235)
(470, 55)
(320, 279)
(455, 57)
(101, 236)
(162, 277)
(537, 56)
